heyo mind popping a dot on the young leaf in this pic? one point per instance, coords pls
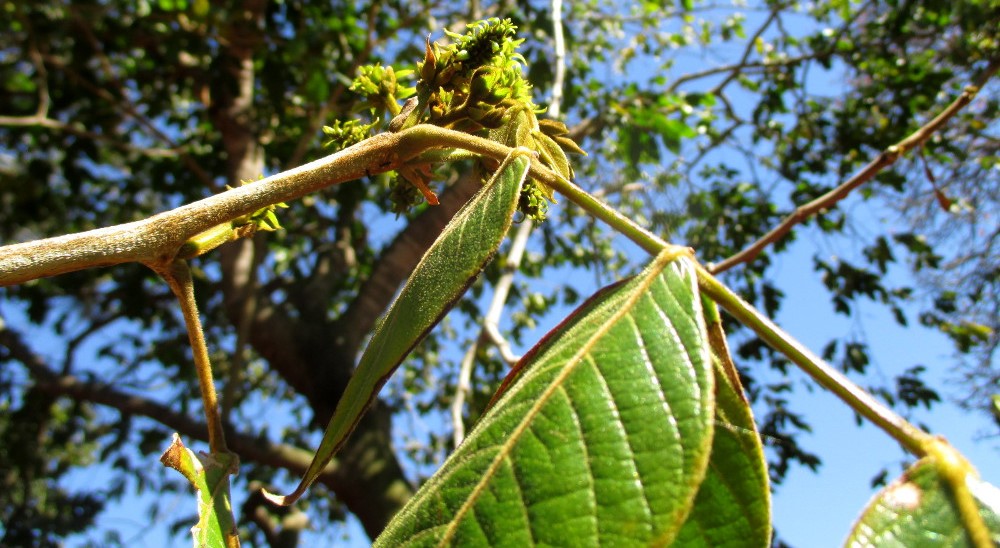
(209, 475)
(442, 276)
(602, 440)
(917, 510)
(733, 506)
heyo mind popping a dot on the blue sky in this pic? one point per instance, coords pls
(810, 509)
(817, 509)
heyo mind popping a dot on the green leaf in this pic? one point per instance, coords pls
(317, 87)
(173, 5)
(733, 506)
(917, 510)
(442, 276)
(603, 439)
(209, 475)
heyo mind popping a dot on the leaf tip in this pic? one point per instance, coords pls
(283, 500)
(172, 456)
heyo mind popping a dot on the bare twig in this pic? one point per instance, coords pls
(77, 130)
(736, 68)
(885, 159)
(178, 277)
(41, 116)
(96, 324)
(42, 81)
(751, 45)
(131, 111)
(250, 447)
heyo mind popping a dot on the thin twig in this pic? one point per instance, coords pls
(952, 465)
(178, 277)
(883, 160)
(249, 447)
(36, 120)
(741, 67)
(125, 106)
(95, 325)
(750, 47)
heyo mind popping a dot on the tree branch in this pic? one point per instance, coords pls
(250, 448)
(129, 110)
(157, 239)
(884, 159)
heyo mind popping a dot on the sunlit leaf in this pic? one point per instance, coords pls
(918, 510)
(733, 506)
(446, 270)
(603, 439)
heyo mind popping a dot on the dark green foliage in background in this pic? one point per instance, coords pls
(112, 111)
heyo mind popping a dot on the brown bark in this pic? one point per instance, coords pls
(297, 341)
(400, 257)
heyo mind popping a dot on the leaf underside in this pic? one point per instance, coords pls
(917, 510)
(733, 506)
(452, 262)
(603, 440)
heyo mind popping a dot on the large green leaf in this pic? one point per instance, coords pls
(442, 276)
(733, 506)
(602, 440)
(917, 510)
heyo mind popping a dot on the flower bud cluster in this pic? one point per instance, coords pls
(380, 87)
(343, 134)
(474, 85)
(470, 84)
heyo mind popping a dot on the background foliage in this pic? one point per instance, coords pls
(706, 122)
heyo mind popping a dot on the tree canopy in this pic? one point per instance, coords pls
(706, 123)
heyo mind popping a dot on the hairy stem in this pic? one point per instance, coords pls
(954, 467)
(909, 436)
(157, 240)
(178, 277)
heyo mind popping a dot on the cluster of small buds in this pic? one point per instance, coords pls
(380, 87)
(343, 134)
(262, 219)
(474, 85)
(470, 84)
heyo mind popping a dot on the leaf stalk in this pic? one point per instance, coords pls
(178, 277)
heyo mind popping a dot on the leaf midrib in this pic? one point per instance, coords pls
(506, 448)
